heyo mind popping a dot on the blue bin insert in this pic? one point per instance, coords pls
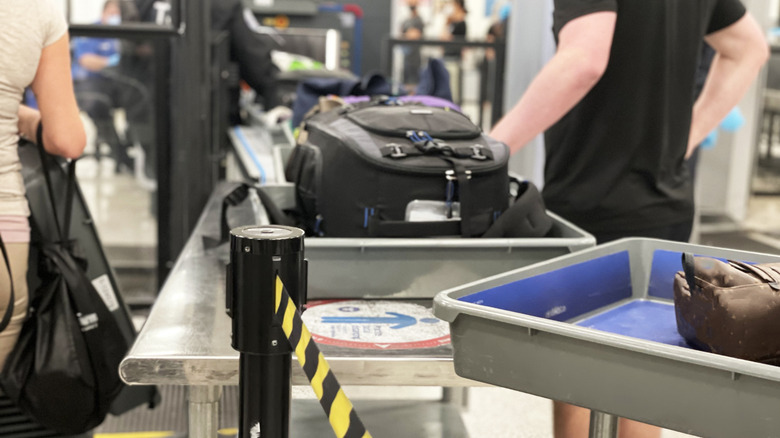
(564, 293)
(665, 265)
(643, 319)
(575, 290)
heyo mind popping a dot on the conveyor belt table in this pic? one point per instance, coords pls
(186, 338)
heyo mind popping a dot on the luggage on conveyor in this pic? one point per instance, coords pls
(394, 169)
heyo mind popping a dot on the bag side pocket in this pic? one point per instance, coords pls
(304, 169)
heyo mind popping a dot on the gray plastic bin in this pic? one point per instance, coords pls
(596, 329)
(421, 267)
(402, 268)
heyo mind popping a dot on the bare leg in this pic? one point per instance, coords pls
(634, 429)
(571, 421)
(17, 257)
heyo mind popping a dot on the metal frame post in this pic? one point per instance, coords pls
(602, 425)
(257, 255)
(203, 411)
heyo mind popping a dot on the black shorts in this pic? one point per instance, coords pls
(678, 232)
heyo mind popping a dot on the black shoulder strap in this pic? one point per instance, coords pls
(9, 311)
(63, 230)
(45, 169)
(237, 196)
(69, 196)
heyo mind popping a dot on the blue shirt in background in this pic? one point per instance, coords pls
(97, 46)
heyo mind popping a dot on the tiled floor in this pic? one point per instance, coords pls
(121, 207)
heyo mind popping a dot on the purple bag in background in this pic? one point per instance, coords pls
(424, 100)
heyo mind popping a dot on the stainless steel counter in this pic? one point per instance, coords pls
(186, 339)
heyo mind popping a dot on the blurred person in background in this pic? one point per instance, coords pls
(412, 28)
(100, 88)
(251, 51)
(456, 27)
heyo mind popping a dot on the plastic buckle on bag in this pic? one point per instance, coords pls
(450, 175)
(445, 148)
(397, 151)
(427, 144)
(476, 152)
(427, 147)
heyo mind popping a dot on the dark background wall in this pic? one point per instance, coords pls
(376, 26)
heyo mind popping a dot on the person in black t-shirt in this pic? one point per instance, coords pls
(616, 102)
(456, 27)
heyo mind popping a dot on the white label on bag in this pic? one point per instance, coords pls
(88, 322)
(103, 286)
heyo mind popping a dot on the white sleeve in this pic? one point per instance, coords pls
(54, 23)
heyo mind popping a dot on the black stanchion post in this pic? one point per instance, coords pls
(257, 255)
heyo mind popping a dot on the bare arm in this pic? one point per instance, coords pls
(28, 122)
(93, 62)
(583, 54)
(741, 51)
(53, 87)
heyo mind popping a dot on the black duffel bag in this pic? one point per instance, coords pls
(360, 170)
(63, 370)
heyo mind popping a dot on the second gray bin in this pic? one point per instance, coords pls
(597, 329)
(419, 267)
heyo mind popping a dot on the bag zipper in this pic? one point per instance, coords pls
(428, 110)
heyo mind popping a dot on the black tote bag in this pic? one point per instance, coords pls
(63, 370)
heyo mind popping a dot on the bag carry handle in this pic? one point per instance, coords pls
(237, 196)
(689, 270)
(10, 309)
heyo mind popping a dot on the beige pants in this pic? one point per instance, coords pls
(17, 256)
